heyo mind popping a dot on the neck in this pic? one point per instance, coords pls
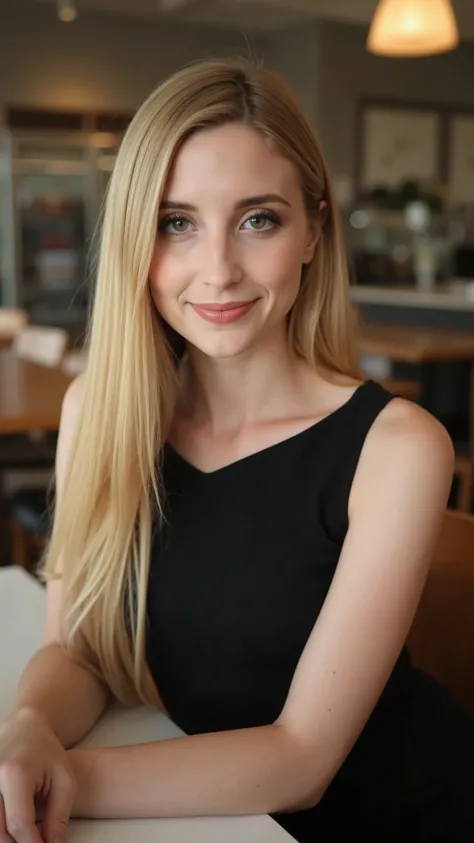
(226, 394)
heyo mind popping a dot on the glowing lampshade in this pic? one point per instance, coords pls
(413, 28)
(67, 11)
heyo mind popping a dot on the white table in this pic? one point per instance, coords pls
(22, 608)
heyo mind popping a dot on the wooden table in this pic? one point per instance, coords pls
(415, 345)
(22, 612)
(30, 395)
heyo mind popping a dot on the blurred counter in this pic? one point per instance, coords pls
(457, 296)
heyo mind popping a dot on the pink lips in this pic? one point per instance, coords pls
(223, 314)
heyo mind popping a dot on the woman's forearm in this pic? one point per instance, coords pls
(252, 771)
(66, 695)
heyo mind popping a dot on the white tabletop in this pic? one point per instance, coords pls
(22, 608)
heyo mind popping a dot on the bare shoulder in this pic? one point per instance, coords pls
(406, 449)
(404, 426)
(72, 401)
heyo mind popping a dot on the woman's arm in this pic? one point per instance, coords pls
(54, 687)
(57, 690)
(396, 506)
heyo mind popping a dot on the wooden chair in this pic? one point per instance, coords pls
(441, 640)
(463, 470)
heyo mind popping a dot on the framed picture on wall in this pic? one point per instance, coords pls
(398, 144)
(461, 159)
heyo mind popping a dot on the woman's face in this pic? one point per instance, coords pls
(233, 236)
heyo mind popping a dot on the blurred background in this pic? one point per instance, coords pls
(389, 89)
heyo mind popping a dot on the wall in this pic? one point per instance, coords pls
(107, 61)
(347, 72)
(101, 61)
(295, 54)
(112, 62)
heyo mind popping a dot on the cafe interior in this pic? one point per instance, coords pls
(389, 89)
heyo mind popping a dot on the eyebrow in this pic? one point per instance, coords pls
(261, 199)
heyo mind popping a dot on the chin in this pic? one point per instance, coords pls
(221, 347)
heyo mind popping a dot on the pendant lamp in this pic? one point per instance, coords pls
(413, 28)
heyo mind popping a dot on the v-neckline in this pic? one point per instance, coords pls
(268, 448)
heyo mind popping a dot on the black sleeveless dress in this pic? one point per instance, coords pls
(238, 577)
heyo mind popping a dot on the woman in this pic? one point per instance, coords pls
(243, 527)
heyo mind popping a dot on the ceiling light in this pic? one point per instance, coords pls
(67, 11)
(413, 28)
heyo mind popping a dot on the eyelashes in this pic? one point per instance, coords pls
(177, 223)
(265, 216)
(171, 219)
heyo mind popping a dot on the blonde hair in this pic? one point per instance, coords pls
(112, 494)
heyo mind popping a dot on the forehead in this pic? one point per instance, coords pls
(232, 158)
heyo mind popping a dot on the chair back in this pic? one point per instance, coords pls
(441, 640)
(41, 344)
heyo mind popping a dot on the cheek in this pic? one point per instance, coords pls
(282, 270)
(160, 295)
(158, 273)
(164, 281)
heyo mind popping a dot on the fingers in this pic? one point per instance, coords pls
(19, 808)
(4, 835)
(58, 808)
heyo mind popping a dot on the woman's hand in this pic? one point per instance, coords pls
(34, 769)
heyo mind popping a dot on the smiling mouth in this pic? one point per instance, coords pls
(223, 314)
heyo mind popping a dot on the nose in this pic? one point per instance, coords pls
(222, 266)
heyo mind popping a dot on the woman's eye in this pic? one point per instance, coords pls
(175, 225)
(261, 222)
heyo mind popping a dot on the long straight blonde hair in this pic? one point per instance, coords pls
(112, 496)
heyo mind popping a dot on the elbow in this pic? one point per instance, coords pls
(304, 799)
(301, 779)
(309, 799)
